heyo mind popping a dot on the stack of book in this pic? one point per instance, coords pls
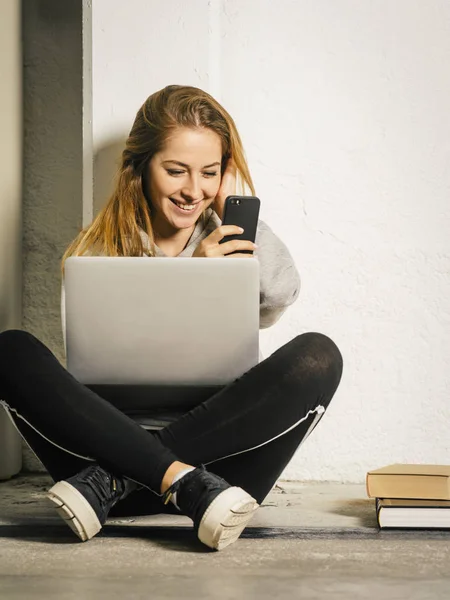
(411, 496)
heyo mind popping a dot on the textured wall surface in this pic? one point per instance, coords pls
(52, 160)
(343, 110)
(351, 163)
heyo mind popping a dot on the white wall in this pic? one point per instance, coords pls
(343, 110)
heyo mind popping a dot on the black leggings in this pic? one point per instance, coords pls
(246, 433)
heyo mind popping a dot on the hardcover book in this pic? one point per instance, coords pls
(427, 482)
(413, 514)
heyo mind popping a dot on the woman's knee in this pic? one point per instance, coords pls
(319, 353)
(14, 340)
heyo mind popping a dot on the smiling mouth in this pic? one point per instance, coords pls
(184, 205)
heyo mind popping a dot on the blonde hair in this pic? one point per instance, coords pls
(116, 231)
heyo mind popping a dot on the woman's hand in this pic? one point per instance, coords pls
(227, 188)
(210, 247)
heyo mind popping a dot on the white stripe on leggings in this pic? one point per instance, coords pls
(319, 410)
(8, 411)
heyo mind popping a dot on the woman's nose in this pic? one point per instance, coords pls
(193, 191)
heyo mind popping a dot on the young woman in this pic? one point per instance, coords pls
(182, 159)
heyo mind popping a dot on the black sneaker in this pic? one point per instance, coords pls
(85, 499)
(220, 511)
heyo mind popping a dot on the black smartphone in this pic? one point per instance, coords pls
(242, 211)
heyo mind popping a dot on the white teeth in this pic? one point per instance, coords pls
(185, 207)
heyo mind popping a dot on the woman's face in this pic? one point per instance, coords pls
(184, 178)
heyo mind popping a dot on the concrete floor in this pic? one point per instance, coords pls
(307, 541)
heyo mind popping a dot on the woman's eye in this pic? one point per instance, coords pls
(174, 172)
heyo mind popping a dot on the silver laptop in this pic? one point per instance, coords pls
(163, 321)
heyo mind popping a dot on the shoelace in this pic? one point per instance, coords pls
(100, 484)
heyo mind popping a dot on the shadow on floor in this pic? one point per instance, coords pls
(362, 509)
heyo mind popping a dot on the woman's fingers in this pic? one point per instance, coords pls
(211, 246)
(218, 234)
(237, 245)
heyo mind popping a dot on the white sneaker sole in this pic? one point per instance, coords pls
(76, 511)
(226, 518)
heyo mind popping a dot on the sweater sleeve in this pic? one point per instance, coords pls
(279, 278)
